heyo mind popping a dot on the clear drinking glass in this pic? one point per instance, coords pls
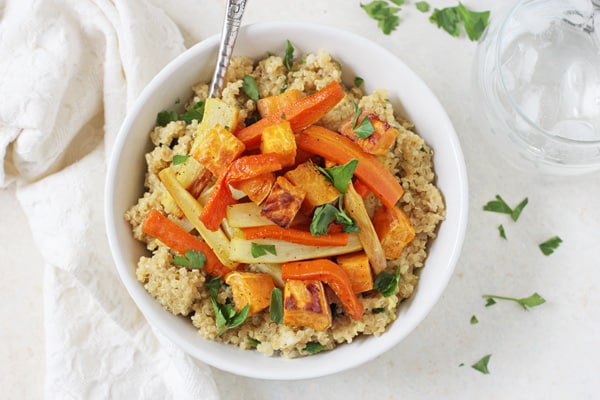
(537, 84)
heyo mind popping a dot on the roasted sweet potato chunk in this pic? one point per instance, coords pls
(378, 142)
(252, 288)
(318, 190)
(216, 112)
(218, 149)
(279, 138)
(358, 269)
(394, 229)
(305, 305)
(283, 202)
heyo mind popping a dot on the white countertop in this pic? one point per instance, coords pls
(551, 351)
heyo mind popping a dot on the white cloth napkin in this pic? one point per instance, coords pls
(69, 69)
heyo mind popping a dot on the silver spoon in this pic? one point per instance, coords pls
(234, 11)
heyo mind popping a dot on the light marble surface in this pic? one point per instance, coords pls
(551, 351)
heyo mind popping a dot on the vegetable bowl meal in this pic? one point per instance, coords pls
(290, 215)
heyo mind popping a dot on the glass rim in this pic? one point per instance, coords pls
(499, 45)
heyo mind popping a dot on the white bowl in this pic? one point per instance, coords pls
(411, 98)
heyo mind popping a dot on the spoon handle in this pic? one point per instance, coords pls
(233, 19)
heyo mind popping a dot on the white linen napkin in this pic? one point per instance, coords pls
(69, 70)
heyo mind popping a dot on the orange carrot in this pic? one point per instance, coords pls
(330, 273)
(339, 149)
(272, 105)
(173, 236)
(295, 236)
(300, 114)
(220, 197)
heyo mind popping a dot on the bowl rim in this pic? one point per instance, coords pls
(317, 365)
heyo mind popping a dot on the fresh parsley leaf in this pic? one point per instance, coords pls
(550, 245)
(340, 175)
(226, 316)
(164, 117)
(378, 310)
(397, 2)
(482, 365)
(422, 6)
(525, 302)
(192, 259)
(258, 249)
(501, 231)
(239, 318)
(490, 302)
(358, 81)
(385, 15)
(250, 87)
(474, 320)
(314, 347)
(474, 22)
(276, 306)
(447, 19)
(253, 342)
(179, 159)
(285, 85)
(326, 214)
(364, 129)
(500, 206)
(289, 55)
(195, 112)
(386, 283)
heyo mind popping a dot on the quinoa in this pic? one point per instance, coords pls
(183, 291)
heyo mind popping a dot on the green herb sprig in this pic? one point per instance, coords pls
(482, 364)
(225, 314)
(192, 259)
(526, 302)
(550, 245)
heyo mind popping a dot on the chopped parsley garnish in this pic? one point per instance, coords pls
(340, 175)
(365, 128)
(358, 81)
(550, 245)
(474, 320)
(195, 112)
(314, 347)
(326, 214)
(501, 231)
(288, 59)
(250, 87)
(164, 117)
(225, 314)
(525, 302)
(179, 159)
(482, 365)
(450, 18)
(378, 310)
(253, 342)
(258, 249)
(422, 6)
(385, 15)
(276, 306)
(386, 283)
(500, 206)
(192, 259)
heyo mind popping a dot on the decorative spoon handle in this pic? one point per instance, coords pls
(234, 11)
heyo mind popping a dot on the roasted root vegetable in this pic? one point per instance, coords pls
(216, 239)
(358, 269)
(318, 190)
(257, 189)
(242, 215)
(395, 230)
(216, 112)
(305, 305)
(218, 150)
(329, 273)
(339, 149)
(295, 236)
(176, 238)
(378, 142)
(367, 234)
(301, 114)
(272, 105)
(241, 250)
(283, 202)
(279, 138)
(250, 288)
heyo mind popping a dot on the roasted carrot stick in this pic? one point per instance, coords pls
(301, 114)
(173, 236)
(295, 236)
(330, 273)
(339, 149)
